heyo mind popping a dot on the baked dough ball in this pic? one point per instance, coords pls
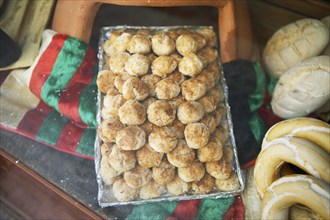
(148, 102)
(219, 113)
(177, 101)
(121, 160)
(211, 152)
(131, 138)
(217, 93)
(177, 77)
(221, 134)
(113, 103)
(220, 169)
(138, 176)
(162, 66)
(176, 56)
(139, 44)
(105, 114)
(186, 44)
(215, 70)
(206, 76)
(137, 65)
(132, 113)
(178, 187)
(162, 44)
(117, 62)
(163, 139)
(207, 55)
(232, 183)
(107, 173)
(190, 65)
(210, 122)
(161, 113)
(120, 80)
(105, 149)
(151, 81)
(151, 190)
(135, 88)
(200, 40)
(152, 57)
(148, 157)
(148, 127)
(164, 173)
(208, 102)
(167, 89)
(209, 35)
(181, 155)
(105, 80)
(117, 44)
(108, 130)
(197, 135)
(193, 89)
(178, 128)
(205, 185)
(123, 192)
(190, 112)
(173, 34)
(194, 172)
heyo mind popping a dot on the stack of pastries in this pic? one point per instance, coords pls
(163, 126)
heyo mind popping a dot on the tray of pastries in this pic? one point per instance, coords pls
(164, 123)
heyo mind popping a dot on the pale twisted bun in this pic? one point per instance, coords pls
(207, 77)
(163, 65)
(208, 102)
(181, 155)
(123, 192)
(105, 80)
(137, 65)
(138, 176)
(197, 135)
(121, 160)
(139, 44)
(190, 112)
(161, 113)
(194, 172)
(151, 81)
(177, 186)
(148, 157)
(230, 184)
(108, 129)
(209, 35)
(164, 173)
(135, 88)
(203, 186)
(190, 65)
(162, 44)
(117, 62)
(163, 139)
(211, 152)
(151, 190)
(120, 80)
(131, 138)
(193, 89)
(186, 44)
(117, 43)
(132, 113)
(167, 89)
(113, 103)
(207, 55)
(107, 173)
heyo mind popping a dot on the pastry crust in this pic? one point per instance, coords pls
(197, 135)
(132, 113)
(163, 65)
(167, 89)
(163, 139)
(162, 44)
(194, 172)
(131, 138)
(193, 89)
(161, 113)
(121, 160)
(204, 186)
(211, 152)
(108, 130)
(181, 155)
(139, 44)
(137, 65)
(105, 80)
(164, 173)
(190, 112)
(148, 157)
(151, 190)
(135, 88)
(190, 65)
(123, 192)
(138, 176)
(117, 62)
(177, 186)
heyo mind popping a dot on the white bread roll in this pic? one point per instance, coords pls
(293, 43)
(303, 88)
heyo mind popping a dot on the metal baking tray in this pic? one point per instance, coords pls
(105, 195)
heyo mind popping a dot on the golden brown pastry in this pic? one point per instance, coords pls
(215, 70)
(197, 135)
(139, 44)
(190, 65)
(151, 190)
(164, 173)
(221, 134)
(105, 114)
(209, 121)
(178, 128)
(120, 80)
(217, 93)
(107, 173)
(181, 155)
(123, 192)
(113, 103)
(117, 62)
(186, 44)
(148, 157)
(163, 65)
(230, 184)
(177, 186)
(105, 80)
(117, 43)
(209, 35)
(211, 152)
(177, 77)
(148, 102)
(167, 89)
(204, 186)
(176, 56)
(108, 130)
(161, 113)
(135, 88)
(207, 55)
(131, 138)
(138, 176)
(207, 77)
(121, 160)
(190, 112)
(137, 65)
(220, 169)
(220, 113)
(151, 81)
(194, 172)
(162, 44)
(105, 149)
(177, 101)
(163, 139)
(148, 127)
(200, 40)
(132, 113)
(208, 102)
(193, 89)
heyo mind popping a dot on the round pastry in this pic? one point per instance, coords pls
(164, 173)
(207, 55)
(209, 35)
(177, 101)
(151, 81)
(162, 66)
(162, 44)
(139, 44)
(148, 127)
(181, 155)
(108, 130)
(186, 44)
(177, 77)
(161, 113)
(167, 89)
(105, 114)
(151, 190)
(131, 138)
(221, 134)
(176, 56)
(137, 65)
(148, 102)
(117, 44)
(152, 57)
(173, 34)
(105, 149)
(117, 62)
(217, 93)
(230, 184)
(132, 113)
(211, 152)
(123, 192)
(145, 32)
(219, 113)
(163, 139)
(107, 173)
(214, 69)
(206, 76)
(203, 186)
(197, 135)
(120, 80)
(177, 186)
(190, 65)
(193, 89)
(194, 172)
(138, 176)
(178, 128)
(208, 102)
(210, 122)
(190, 112)
(148, 157)
(105, 80)
(113, 103)
(199, 39)
(135, 88)
(121, 160)
(221, 169)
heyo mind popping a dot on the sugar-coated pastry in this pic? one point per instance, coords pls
(137, 65)
(105, 80)
(221, 134)
(107, 173)
(181, 155)
(132, 113)
(190, 65)
(199, 39)
(217, 93)
(177, 77)
(131, 138)
(207, 55)
(139, 44)
(113, 103)
(209, 35)
(121, 160)
(210, 122)
(162, 44)
(108, 130)
(138, 176)
(178, 128)
(148, 157)
(105, 149)
(186, 44)
(151, 190)
(173, 34)
(193, 89)
(143, 31)
(197, 135)
(177, 101)
(105, 114)
(123, 192)
(148, 127)
(161, 113)
(207, 77)
(135, 88)
(117, 62)
(194, 172)
(151, 81)
(151, 57)
(230, 184)
(176, 56)
(164, 173)
(167, 89)
(120, 80)
(190, 112)
(211, 152)
(215, 70)
(182, 31)
(177, 186)
(163, 65)
(163, 139)
(221, 169)
(220, 113)
(148, 102)
(203, 186)
(118, 44)
(208, 102)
